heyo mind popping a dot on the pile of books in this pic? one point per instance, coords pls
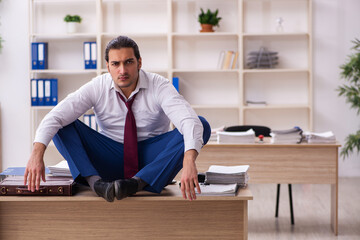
(324, 137)
(236, 137)
(60, 169)
(228, 60)
(287, 136)
(224, 180)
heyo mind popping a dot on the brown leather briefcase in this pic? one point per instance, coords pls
(54, 186)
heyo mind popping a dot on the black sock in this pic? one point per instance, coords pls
(91, 180)
(141, 183)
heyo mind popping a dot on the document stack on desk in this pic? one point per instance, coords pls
(224, 180)
(236, 137)
(16, 171)
(218, 189)
(60, 169)
(325, 137)
(214, 133)
(227, 175)
(287, 136)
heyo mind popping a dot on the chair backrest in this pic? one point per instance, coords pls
(259, 130)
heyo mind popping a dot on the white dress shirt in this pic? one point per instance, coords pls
(156, 104)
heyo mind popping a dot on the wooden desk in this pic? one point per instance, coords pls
(143, 216)
(280, 163)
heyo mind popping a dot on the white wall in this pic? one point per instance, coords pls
(335, 24)
(14, 83)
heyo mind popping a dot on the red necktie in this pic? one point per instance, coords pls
(131, 162)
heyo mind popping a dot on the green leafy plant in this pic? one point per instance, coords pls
(72, 18)
(351, 91)
(209, 17)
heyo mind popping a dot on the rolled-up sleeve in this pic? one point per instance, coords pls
(180, 114)
(66, 112)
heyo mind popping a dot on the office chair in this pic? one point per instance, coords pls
(259, 130)
(265, 131)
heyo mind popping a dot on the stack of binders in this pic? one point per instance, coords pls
(44, 92)
(39, 55)
(90, 55)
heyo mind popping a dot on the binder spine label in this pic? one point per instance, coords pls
(42, 55)
(87, 55)
(93, 55)
(40, 87)
(47, 92)
(34, 97)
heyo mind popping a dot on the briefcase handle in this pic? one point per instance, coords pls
(25, 191)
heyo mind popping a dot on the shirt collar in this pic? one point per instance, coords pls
(143, 82)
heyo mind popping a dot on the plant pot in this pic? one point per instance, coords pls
(206, 28)
(72, 27)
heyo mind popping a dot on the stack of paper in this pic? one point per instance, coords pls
(236, 137)
(218, 189)
(16, 171)
(214, 131)
(325, 137)
(287, 136)
(227, 175)
(60, 169)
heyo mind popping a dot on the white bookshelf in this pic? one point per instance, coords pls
(170, 43)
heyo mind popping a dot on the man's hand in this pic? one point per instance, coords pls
(189, 176)
(35, 168)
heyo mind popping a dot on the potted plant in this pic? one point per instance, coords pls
(351, 91)
(208, 20)
(72, 22)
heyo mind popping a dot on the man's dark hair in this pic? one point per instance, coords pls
(122, 42)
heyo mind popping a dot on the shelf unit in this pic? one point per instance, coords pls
(171, 45)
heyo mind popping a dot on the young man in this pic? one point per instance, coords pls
(135, 148)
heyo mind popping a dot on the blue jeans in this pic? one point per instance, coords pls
(91, 153)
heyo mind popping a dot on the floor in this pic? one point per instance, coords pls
(311, 211)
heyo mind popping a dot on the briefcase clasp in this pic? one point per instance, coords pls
(3, 190)
(25, 191)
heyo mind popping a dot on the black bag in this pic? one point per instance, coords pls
(259, 130)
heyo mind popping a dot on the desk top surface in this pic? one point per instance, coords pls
(214, 144)
(170, 193)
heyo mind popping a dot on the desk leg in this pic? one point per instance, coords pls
(246, 220)
(334, 208)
